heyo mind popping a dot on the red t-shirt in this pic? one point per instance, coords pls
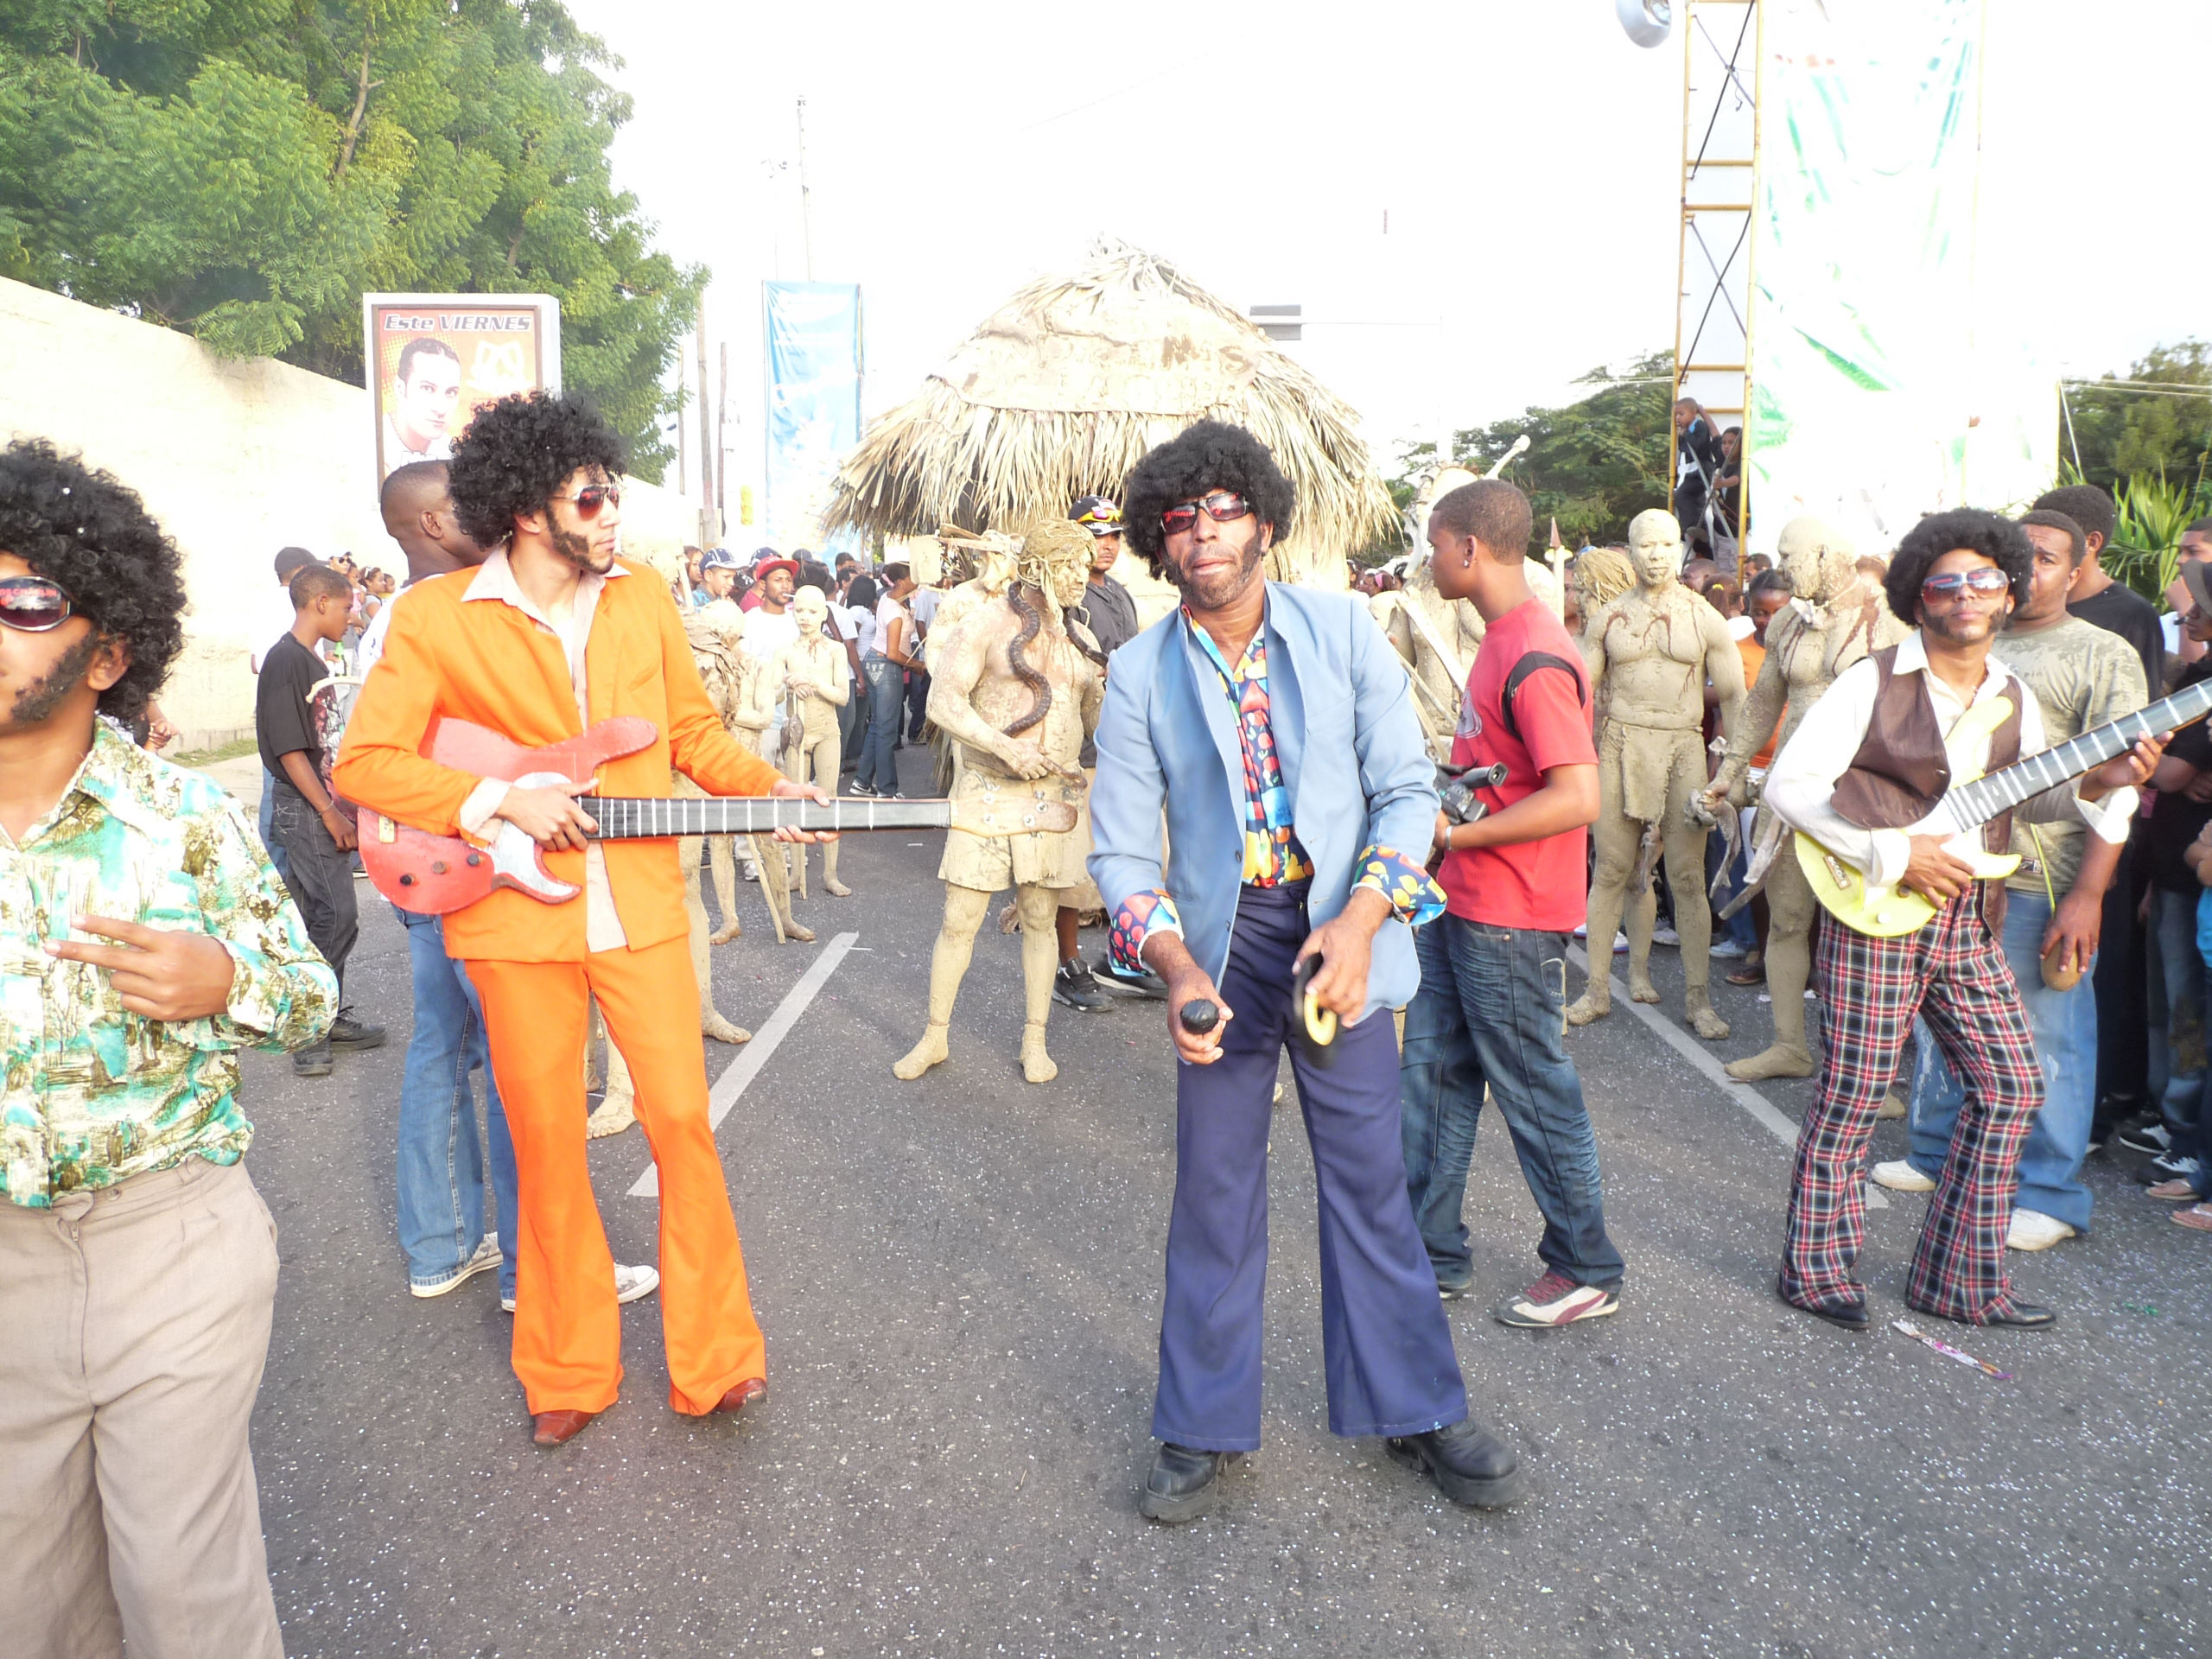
(1531, 884)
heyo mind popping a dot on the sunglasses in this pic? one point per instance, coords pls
(590, 498)
(1221, 506)
(32, 604)
(1951, 583)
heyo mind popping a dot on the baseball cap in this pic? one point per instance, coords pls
(1096, 514)
(719, 558)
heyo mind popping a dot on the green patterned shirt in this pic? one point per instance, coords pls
(93, 1094)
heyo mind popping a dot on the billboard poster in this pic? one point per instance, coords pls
(433, 359)
(812, 347)
(1893, 375)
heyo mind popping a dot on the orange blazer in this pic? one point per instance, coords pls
(487, 662)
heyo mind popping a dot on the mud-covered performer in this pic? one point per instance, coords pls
(1275, 726)
(554, 632)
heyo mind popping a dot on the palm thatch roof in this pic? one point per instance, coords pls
(1065, 386)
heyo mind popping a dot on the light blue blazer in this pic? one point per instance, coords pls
(1352, 757)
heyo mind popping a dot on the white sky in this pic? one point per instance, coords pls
(1524, 152)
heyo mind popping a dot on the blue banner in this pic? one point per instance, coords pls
(813, 354)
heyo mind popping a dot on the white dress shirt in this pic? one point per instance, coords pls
(1802, 780)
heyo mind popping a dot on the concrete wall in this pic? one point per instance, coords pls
(235, 458)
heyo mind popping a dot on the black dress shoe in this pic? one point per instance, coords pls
(1181, 1485)
(2026, 1316)
(1844, 1319)
(1468, 1462)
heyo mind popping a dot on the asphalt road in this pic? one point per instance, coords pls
(960, 1279)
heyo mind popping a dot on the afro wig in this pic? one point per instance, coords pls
(1989, 534)
(91, 536)
(1205, 455)
(517, 454)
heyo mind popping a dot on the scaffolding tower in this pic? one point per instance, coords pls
(1719, 186)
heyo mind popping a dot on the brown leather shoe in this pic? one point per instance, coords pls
(751, 1391)
(552, 1427)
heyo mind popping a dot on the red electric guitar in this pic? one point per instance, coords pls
(435, 875)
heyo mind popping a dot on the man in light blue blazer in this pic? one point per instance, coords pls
(1274, 727)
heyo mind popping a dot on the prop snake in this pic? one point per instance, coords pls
(1031, 621)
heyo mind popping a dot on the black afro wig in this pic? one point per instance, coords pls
(1989, 534)
(92, 535)
(516, 455)
(1204, 456)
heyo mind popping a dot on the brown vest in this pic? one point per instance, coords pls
(1901, 769)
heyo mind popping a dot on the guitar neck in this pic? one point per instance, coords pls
(1984, 799)
(625, 819)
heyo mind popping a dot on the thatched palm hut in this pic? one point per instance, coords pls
(1067, 384)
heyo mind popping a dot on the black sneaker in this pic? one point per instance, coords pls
(1111, 976)
(314, 1061)
(1074, 986)
(2149, 1135)
(346, 1032)
(862, 791)
(2166, 1166)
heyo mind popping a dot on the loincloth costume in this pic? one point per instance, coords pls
(991, 863)
(1650, 766)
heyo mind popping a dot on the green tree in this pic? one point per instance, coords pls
(1593, 465)
(2122, 432)
(245, 169)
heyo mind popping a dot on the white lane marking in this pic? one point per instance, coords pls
(1760, 1108)
(757, 1053)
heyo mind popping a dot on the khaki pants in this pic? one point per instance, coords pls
(136, 1324)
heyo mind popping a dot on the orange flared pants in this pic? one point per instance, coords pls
(568, 1330)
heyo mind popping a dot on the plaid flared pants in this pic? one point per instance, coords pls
(1952, 974)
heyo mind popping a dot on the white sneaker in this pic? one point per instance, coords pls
(486, 1258)
(630, 1284)
(1620, 944)
(1666, 936)
(1728, 951)
(1899, 1176)
(2032, 1229)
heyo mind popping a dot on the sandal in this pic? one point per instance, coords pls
(2197, 1217)
(1753, 972)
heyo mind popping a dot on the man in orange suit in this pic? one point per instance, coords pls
(551, 634)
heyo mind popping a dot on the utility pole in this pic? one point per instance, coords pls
(706, 434)
(721, 439)
(805, 193)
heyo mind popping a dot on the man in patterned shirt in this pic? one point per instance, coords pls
(1276, 728)
(144, 936)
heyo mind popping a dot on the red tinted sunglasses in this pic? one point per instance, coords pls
(590, 498)
(1221, 506)
(32, 604)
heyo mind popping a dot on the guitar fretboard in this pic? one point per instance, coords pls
(1984, 799)
(622, 818)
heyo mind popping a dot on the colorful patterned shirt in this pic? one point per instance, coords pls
(1271, 853)
(94, 1094)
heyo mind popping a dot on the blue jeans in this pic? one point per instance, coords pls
(1743, 927)
(1490, 1010)
(441, 1160)
(886, 705)
(2064, 1025)
(2176, 999)
(265, 821)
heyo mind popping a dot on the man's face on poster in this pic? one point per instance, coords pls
(424, 398)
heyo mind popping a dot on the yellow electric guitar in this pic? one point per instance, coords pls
(1888, 912)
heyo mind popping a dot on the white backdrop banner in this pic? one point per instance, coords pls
(1893, 372)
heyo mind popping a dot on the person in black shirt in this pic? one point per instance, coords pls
(318, 840)
(2182, 808)
(1697, 462)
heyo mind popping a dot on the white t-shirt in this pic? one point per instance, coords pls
(888, 609)
(851, 624)
(925, 605)
(765, 635)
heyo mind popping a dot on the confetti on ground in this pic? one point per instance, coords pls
(1908, 1328)
(2143, 1309)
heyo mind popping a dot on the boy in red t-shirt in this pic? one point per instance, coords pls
(1490, 1009)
